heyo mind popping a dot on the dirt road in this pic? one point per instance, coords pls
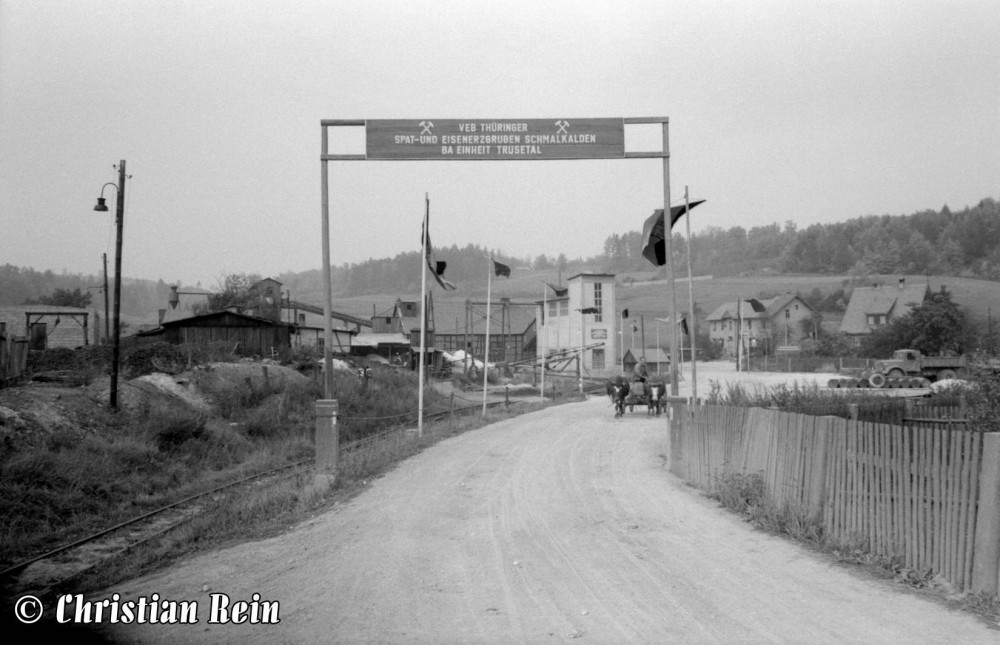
(556, 526)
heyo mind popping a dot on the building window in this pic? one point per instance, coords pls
(598, 317)
(553, 309)
(597, 359)
(788, 314)
(564, 307)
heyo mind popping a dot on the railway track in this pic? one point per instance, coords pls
(60, 567)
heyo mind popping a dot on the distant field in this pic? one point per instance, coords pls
(650, 299)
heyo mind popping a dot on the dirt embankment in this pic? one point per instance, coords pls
(31, 412)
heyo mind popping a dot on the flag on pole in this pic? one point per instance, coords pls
(590, 310)
(559, 291)
(624, 313)
(436, 267)
(654, 246)
(501, 269)
(684, 326)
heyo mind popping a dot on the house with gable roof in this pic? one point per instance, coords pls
(783, 320)
(873, 307)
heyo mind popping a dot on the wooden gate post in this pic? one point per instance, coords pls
(986, 552)
(327, 443)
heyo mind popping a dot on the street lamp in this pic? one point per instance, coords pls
(119, 219)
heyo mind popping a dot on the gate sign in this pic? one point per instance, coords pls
(468, 139)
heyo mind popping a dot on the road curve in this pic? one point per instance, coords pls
(560, 525)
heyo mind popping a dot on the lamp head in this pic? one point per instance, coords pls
(101, 206)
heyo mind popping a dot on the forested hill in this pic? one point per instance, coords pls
(965, 243)
(929, 243)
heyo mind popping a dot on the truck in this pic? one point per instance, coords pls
(910, 362)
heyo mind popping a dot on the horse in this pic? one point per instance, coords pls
(657, 392)
(618, 391)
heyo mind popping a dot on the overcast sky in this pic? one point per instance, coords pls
(791, 110)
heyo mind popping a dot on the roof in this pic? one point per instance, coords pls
(194, 320)
(778, 303)
(449, 317)
(653, 355)
(590, 275)
(889, 301)
(750, 308)
(374, 340)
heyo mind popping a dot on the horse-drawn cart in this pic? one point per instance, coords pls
(637, 393)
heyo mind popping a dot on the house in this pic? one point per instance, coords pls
(584, 317)
(657, 360)
(780, 321)
(792, 320)
(249, 335)
(879, 305)
(746, 317)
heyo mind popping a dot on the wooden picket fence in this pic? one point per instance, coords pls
(926, 493)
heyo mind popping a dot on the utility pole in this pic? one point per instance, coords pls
(107, 322)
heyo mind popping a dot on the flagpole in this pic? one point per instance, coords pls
(423, 316)
(692, 324)
(545, 301)
(668, 251)
(486, 352)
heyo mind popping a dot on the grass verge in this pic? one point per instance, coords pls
(746, 495)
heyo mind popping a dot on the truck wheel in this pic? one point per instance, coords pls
(895, 373)
(946, 374)
(876, 380)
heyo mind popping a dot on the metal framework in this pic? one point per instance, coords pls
(424, 129)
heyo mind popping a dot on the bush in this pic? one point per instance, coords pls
(171, 429)
(154, 357)
(740, 492)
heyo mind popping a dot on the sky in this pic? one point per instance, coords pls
(810, 112)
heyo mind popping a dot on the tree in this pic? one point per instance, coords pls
(935, 326)
(938, 324)
(64, 298)
(542, 262)
(235, 290)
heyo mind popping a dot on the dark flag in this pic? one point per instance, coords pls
(624, 313)
(654, 246)
(436, 267)
(501, 269)
(559, 291)
(590, 310)
(684, 326)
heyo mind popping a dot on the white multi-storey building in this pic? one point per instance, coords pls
(584, 316)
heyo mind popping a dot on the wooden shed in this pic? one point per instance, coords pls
(254, 336)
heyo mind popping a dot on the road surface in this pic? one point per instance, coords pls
(562, 525)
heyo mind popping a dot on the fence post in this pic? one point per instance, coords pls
(986, 550)
(327, 443)
(451, 412)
